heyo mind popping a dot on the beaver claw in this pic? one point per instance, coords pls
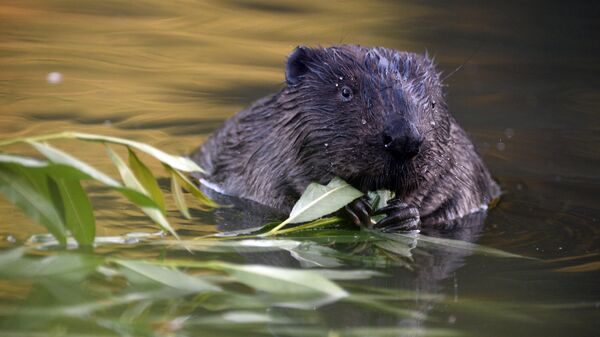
(359, 211)
(400, 217)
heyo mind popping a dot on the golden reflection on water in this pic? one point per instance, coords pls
(166, 73)
(126, 65)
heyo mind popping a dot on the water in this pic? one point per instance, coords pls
(168, 73)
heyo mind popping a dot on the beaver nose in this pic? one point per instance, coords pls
(402, 139)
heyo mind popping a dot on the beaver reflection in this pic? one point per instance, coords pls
(410, 267)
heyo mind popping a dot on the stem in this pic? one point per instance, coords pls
(66, 134)
(313, 224)
(276, 229)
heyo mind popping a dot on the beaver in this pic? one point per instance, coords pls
(375, 117)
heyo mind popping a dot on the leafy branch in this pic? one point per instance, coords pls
(50, 191)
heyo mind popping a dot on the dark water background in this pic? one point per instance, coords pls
(169, 72)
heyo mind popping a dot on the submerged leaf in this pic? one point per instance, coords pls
(301, 288)
(318, 200)
(289, 287)
(66, 267)
(169, 276)
(146, 179)
(436, 242)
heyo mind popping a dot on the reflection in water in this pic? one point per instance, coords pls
(169, 73)
(410, 266)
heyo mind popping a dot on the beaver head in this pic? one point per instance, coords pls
(376, 117)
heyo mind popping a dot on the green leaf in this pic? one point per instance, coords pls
(191, 187)
(180, 163)
(60, 157)
(319, 223)
(59, 184)
(33, 201)
(21, 161)
(318, 200)
(169, 276)
(146, 179)
(379, 199)
(131, 181)
(88, 172)
(178, 196)
(79, 214)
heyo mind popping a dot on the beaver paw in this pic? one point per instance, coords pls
(359, 212)
(400, 217)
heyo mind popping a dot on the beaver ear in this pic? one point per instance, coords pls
(297, 64)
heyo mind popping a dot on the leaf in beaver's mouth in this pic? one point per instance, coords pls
(319, 200)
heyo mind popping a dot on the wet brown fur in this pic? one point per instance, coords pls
(270, 151)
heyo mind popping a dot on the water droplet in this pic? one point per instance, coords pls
(337, 85)
(363, 121)
(54, 77)
(341, 78)
(326, 144)
(501, 146)
(432, 123)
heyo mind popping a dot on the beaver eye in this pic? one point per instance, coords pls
(346, 93)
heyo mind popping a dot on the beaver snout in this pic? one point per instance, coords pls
(402, 139)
